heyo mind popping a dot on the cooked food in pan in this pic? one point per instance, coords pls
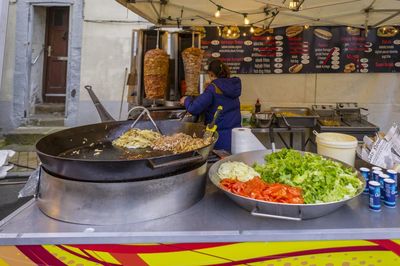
(289, 114)
(137, 138)
(176, 143)
(329, 122)
(179, 142)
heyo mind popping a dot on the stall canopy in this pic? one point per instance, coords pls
(267, 13)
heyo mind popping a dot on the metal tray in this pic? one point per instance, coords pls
(303, 117)
(272, 209)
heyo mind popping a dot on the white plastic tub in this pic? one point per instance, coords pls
(338, 146)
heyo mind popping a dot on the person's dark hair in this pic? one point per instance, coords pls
(219, 69)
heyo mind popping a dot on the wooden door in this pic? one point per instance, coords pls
(55, 69)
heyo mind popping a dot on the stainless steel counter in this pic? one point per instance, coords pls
(214, 219)
(279, 130)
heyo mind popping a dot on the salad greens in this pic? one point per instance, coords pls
(322, 180)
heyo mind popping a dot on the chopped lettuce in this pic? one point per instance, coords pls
(322, 180)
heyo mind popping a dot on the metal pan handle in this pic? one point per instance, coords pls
(144, 112)
(178, 162)
(286, 122)
(255, 212)
(181, 116)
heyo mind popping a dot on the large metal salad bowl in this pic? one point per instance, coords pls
(272, 209)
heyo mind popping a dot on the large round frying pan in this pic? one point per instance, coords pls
(86, 153)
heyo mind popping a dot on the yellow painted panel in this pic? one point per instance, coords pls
(66, 257)
(103, 256)
(11, 255)
(74, 249)
(357, 258)
(241, 251)
(3, 263)
(181, 258)
(92, 253)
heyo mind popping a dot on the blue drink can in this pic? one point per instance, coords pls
(390, 193)
(393, 175)
(382, 177)
(375, 175)
(374, 196)
(365, 172)
(376, 168)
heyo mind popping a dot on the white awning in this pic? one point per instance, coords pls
(356, 13)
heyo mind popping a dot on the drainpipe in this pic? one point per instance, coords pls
(3, 30)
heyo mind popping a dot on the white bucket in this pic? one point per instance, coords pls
(341, 147)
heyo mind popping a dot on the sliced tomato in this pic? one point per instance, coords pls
(256, 188)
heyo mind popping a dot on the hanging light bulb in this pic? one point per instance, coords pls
(218, 12)
(244, 34)
(229, 30)
(294, 5)
(246, 20)
(252, 29)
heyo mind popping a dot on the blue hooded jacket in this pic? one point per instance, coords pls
(225, 92)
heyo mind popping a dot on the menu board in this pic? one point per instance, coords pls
(297, 49)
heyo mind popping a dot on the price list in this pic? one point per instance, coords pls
(299, 49)
(267, 54)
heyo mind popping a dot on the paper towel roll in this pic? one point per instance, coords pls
(244, 140)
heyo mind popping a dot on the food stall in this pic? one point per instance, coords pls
(142, 192)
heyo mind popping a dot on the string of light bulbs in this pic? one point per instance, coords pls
(246, 20)
(269, 12)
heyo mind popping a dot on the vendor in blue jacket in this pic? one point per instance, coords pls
(222, 90)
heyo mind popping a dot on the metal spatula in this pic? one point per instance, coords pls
(212, 127)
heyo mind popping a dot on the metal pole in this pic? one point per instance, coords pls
(386, 19)
(3, 29)
(158, 39)
(123, 93)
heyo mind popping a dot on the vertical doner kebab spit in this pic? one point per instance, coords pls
(192, 58)
(156, 64)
